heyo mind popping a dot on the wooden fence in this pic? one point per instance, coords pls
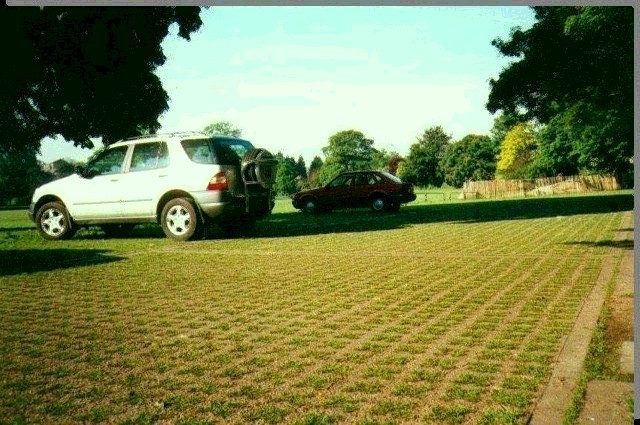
(537, 187)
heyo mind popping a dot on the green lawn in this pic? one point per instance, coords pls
(444, 312)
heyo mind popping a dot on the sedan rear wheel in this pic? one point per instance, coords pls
(179, 219)
(378, 204)
(309, 205)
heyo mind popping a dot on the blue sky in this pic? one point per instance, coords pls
(290, 77)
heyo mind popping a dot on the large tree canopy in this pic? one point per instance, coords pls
(472, 158)
(224, 128)
(423, 164)
(574, 69)
(84, 72)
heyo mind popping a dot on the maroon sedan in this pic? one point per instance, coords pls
(380, 191)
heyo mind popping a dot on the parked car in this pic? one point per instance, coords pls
(183, 181)
(380, 191)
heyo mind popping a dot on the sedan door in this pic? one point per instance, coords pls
(362, 188)
(338, 193)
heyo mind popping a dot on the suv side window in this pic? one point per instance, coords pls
(198, 151)
(149, 156)
(216, 150)
(108, 162)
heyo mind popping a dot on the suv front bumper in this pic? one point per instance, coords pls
(222, 205)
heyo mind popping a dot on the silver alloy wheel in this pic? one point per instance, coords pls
(378, 204)
(178, 220)
(53, 222)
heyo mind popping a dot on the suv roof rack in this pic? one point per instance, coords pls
(172, 134)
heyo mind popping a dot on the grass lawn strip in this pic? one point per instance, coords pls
(448, 321)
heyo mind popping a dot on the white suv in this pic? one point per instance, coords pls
(184, 181)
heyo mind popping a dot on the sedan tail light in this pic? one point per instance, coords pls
(218, 182)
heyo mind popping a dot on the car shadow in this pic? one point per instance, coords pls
(623, 244)
(16, 229)
(361, 220)
(17, 261)
(141, 231)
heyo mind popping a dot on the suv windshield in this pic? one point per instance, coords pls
(216, 150)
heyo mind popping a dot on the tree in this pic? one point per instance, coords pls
(61, 168)
(314, 168)
(384, 160)
(301, 168)
(422, 166)
(472, 158)
(574, 66)
(85, 72)
(502, 123)
(516, 152)
(224, 128)
(20, 174)
(330, 168)
(349, 150)
(286, 175)
(394, 163)
(555, 153)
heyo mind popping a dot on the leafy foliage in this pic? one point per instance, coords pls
(575, 72)
(301, 168)
(286, 175)
(502, 123)
(349, 150)
(516, 152)
(85, 72)
(346, 150)
(314, 168)
(20, 174)
(330, 168)
(394, 163)
(423, 164)
(472, 158)
(555, 153)
(224, 128)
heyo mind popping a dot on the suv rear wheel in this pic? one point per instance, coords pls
(53, 222)
(179, 219)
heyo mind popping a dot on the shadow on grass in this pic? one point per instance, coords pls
(16, 261)
(16, 229)
(362, 220)
(624, 244)
(140, 231)
(300, 224)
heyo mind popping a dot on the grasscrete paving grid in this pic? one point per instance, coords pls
(436, 314)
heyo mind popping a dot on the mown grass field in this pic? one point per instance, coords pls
(450, 312)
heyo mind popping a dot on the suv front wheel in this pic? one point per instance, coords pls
(179, 219)
(53, 222)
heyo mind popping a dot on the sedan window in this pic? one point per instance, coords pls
(362, 179)
(341, 180)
